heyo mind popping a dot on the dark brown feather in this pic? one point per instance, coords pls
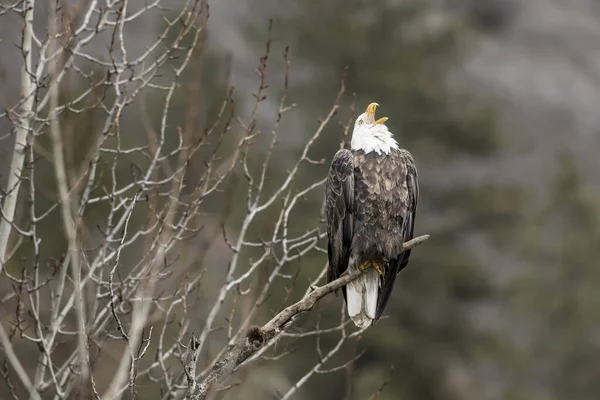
(339, 191)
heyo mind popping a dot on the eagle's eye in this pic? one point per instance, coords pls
(360, 122)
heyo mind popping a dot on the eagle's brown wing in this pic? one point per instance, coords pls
(339, 191)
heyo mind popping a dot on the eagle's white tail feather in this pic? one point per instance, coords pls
(361, 296)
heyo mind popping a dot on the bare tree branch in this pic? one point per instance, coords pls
(257, 337)
(22, 129)
(16, 364)
(69, 223)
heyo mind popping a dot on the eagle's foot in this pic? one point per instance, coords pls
(377, 264)
(378, 268)
(364, 265)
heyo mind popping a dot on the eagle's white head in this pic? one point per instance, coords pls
(372, 135)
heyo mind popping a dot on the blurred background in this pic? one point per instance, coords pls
(497, 101)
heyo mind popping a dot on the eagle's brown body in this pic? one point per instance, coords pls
(371, 206)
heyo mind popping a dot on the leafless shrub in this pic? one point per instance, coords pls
(106, 308)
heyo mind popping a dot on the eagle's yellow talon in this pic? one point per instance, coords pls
(364, 265)
(377, 268)
(375, 263)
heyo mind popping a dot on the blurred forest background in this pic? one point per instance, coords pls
(496, 100)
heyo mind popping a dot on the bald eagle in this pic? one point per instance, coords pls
(371, 201)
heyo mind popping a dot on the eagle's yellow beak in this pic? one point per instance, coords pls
(371, 114)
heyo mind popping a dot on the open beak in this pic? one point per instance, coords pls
(371, 115)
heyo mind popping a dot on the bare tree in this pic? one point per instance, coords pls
(107, 230)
